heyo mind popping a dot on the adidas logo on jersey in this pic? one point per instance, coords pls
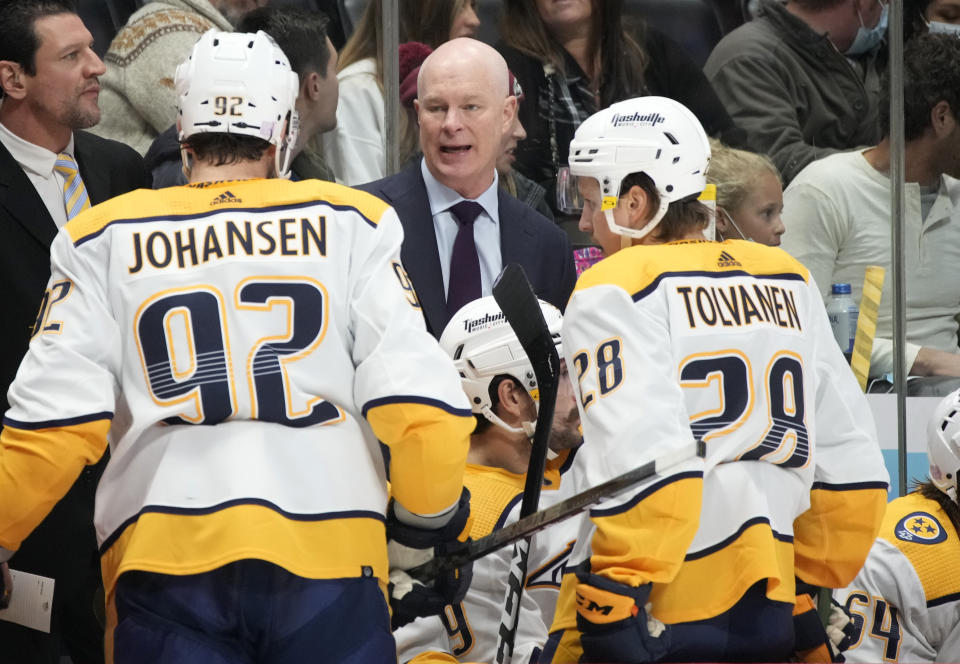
(726, 260)
(225, 197)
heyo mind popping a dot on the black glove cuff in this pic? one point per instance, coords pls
(423, 538)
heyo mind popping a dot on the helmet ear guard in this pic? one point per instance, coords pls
(943, 444)
(656, 136)
(484, 346)
(239, 83)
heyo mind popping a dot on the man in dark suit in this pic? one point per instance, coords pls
(49, 171)
(459, 227)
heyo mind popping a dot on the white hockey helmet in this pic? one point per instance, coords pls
(653, 135)
(943, 444)
(484, 346)
(239, 83)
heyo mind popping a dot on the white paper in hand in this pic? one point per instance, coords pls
(31, 601)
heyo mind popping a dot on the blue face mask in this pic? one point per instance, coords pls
(868, 38)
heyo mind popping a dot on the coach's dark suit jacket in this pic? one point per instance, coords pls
(526, 237)
(62, 546)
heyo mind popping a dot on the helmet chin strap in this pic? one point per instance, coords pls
(284, 153)
(634, 233)
(185, 161)
(525, 427)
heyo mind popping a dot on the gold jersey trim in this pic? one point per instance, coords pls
(638, 268)
(192, 202)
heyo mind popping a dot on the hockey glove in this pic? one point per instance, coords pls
(810, 642)
(814, 642)
(614, 621)
(840, 627)
(409, 547)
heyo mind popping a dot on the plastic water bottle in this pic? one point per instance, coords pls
(843, 312)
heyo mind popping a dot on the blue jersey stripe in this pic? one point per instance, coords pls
(726, 274)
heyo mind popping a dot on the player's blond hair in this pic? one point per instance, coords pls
(735, 173)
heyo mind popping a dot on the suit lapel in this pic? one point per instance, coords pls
(421, 258)
(96, 177)
(21, 201)
(518, 240)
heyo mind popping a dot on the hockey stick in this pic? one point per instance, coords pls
(520, 308)
(565, 509)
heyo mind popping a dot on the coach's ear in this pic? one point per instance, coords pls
(11, 80)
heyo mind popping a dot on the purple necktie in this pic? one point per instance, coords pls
(464, 262)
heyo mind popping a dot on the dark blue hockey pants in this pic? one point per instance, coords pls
(250, 612)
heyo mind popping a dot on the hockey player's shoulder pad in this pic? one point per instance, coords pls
(639, 269)
(920, 529)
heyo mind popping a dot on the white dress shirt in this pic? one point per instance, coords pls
(486, 229)
(37, 163)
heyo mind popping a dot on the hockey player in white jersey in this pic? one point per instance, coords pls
(905, 602)
(499, 381)
(245, 342)
(673, 340)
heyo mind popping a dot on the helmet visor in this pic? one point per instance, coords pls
(569, 200)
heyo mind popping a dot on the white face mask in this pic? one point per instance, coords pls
(735, 227)
(938, 27)
(868, 38)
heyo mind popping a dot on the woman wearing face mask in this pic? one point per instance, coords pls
(931, 16)
(749, 195)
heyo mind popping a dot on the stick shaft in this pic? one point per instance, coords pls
(565, 509)
(522, 311)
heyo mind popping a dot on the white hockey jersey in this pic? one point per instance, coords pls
(905, 602)
(727, 343)
(468, 632)
(278, 312)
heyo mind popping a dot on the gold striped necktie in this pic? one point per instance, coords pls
(75, 197)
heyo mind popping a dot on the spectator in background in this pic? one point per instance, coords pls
(302, 36)
(515, 182)
(412, 55)
(921, 16)
(138, 98)
(49, 171)
(575, 57)
(837, 214)
(355, 150)
(459, 228)
(802, 78)
(749, 195)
